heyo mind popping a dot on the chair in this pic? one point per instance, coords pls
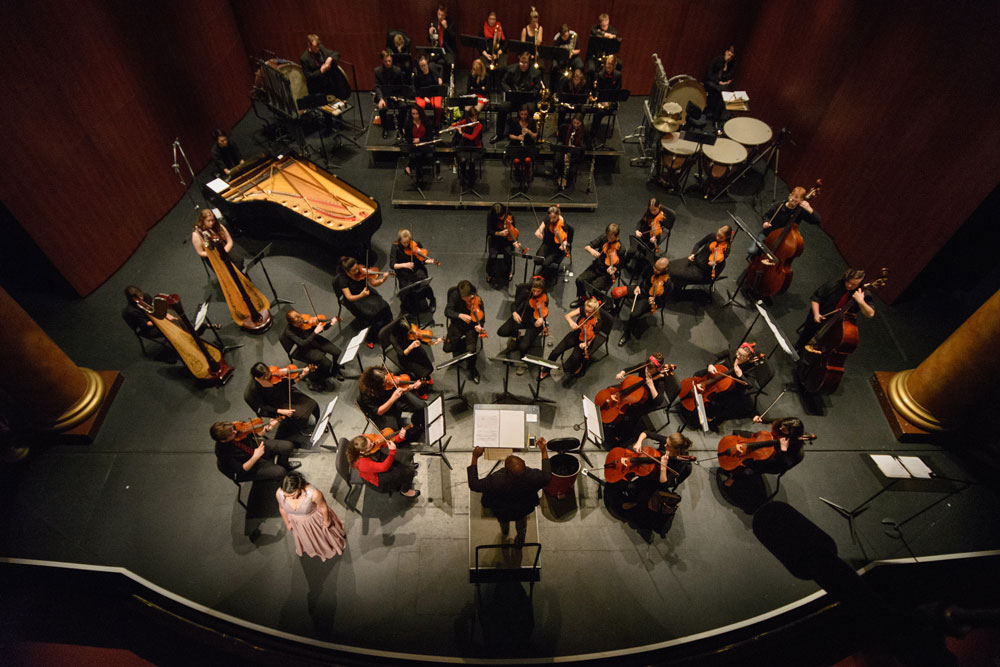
(142, 334)
(672, 390)
(384, 341)
(711, 281)
(473, 155)
(349, 474)
(287, 345)
(234, 478)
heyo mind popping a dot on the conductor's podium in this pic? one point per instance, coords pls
(492, 561)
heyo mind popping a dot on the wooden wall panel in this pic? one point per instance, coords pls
(97, 91)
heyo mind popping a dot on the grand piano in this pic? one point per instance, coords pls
(290, 197)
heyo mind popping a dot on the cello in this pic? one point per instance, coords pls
(758, 447)
(765, 277)
(247, 306)
(821, 365)
(718, 383)
(624, 464)
(203, 360)
(614, 401)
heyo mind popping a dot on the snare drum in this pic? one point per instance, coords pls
(721, 161)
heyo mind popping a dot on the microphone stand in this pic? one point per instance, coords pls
(357, 99)
(177, 170)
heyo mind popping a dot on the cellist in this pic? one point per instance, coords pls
(409, 260)
(606, 251)
(730, 403)
(656, 376)
(830, 298)
(789, 453)
(796, 209)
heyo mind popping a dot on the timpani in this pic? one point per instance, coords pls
(721, 161)
(750, 132)
(674, 160)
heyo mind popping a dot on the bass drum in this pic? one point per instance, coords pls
(684, 88)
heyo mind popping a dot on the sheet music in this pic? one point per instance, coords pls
(218, 185)
(435, 409)
(352, 348)
(916, 467)
(890, 466)
(700, 405)
(202, 314)
(593, 420)
(777, 332)
(320, 427)
(511, 429)
(486, 429)
(735, 96)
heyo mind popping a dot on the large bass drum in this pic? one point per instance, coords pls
(684, 88)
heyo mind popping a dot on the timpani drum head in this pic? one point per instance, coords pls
(748, 131)
(672, 143)
(684, 88)
(725, 151)
(293, 72)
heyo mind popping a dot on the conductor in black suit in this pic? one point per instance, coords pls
(511, 493)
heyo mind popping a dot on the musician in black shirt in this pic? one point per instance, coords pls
(323, 74)
(796, 209)
(719, 77)
(829, 298)
(386, 74)
(225, 154)
(519, 77)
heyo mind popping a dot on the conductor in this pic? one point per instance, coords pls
(511, 493)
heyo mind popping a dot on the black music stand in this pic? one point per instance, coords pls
(779, 336)
(202, 313)
(760, 246)
(518, 98)
(602, 46)
(505, 396)
(413, 287)
(259, 259)
(613, 98)
(458, 375)
(398, 97)
(522, 153)
(420, 157)
(436, 435)
(474, 155)
(541, 363)
(576, 154)
(529, 261)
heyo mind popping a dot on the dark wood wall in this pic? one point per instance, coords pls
(887, 102)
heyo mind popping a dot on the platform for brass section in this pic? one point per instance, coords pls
(495, 186)
(901, 428)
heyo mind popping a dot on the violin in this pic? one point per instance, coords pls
(312, 321)
(423, 335)
(559, 234)
(475, 305)
(717, 252)
(610, 251)
(540, 308)
(614, 401)
(821, 365)
(508, 225)
(256, 426)
(290, 372)
(401, 381)
(361, 272)
(656, 288)
(586, 328)
(766, 278)
(635, 464)
(758, 447)
(415, 251)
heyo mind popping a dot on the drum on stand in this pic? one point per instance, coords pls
(684, 88)
(752, 133)
(674, 160)
(720, 162)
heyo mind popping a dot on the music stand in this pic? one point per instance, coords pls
(458, 376)
(522, 153)
(602, 46)
(641, 249)
(529, 260)
(760, 246)
(424, 152)
(594, 426)
(436, 429)
(259, 259)
(420, 284)
(323, 425)
(699, 403)
(532, 360)
(612, 97)
(474, 154)
(351, 352)
(505, 396)
(202, 318)
(780, 339)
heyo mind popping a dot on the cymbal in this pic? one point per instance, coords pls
(666, 124)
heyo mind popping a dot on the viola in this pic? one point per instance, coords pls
(361, 272)
(587, 331)
(540, 307)
(312, 321)
(475, 305)
(717, 252)
(255, 426)
(635, 464)
(289, 372)
(764, 277)
(821, 365)
(423, 335)
(615, 400)
(414, 250)
(401, 381)
(656, 288)
(508, 225)
(610, 251)
(559, 233)
(758, 447)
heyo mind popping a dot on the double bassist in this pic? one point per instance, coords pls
(829, 298)
(792, 211)
(528, 318)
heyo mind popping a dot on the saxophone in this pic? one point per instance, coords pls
(542, 111)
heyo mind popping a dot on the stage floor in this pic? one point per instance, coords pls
(147, 496)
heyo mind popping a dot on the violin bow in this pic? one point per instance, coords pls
(772, 404)
(311, 304)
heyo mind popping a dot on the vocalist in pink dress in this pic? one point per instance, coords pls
(317, 530)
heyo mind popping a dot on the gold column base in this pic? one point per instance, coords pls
(85, 405)
(904, 403)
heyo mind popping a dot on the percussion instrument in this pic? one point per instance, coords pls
(721, 161)
(748, 131)
(674, 159)
(684, 88)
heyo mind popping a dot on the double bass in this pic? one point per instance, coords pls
(765, 277)
(247, 306)
(821, 365)
(203, 360)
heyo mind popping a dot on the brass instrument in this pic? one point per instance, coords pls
(542, 111)
(496, 45)
(569, 49)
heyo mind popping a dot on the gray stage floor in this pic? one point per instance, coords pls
(147, 496)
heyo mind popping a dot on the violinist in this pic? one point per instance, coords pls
(649, 230)
(466, 324)
(726, 402)
(384, 398)
(829, 298)
(648, 296)
(796, 209)
(209, 224)
(528, 317)
(584, 335)
(502, 235)
(606, 251)
(554, 235)
(630, 498)
(356, 284)
(271, 392)
(380, 463)
(706, 261)
(242, 451)
(409, 260)
(788, 431)
(409, 342)
(570, 136)
(303, 335)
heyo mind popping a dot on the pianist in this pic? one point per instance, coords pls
(225, 154)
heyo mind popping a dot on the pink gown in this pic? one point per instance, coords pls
(311, 537)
